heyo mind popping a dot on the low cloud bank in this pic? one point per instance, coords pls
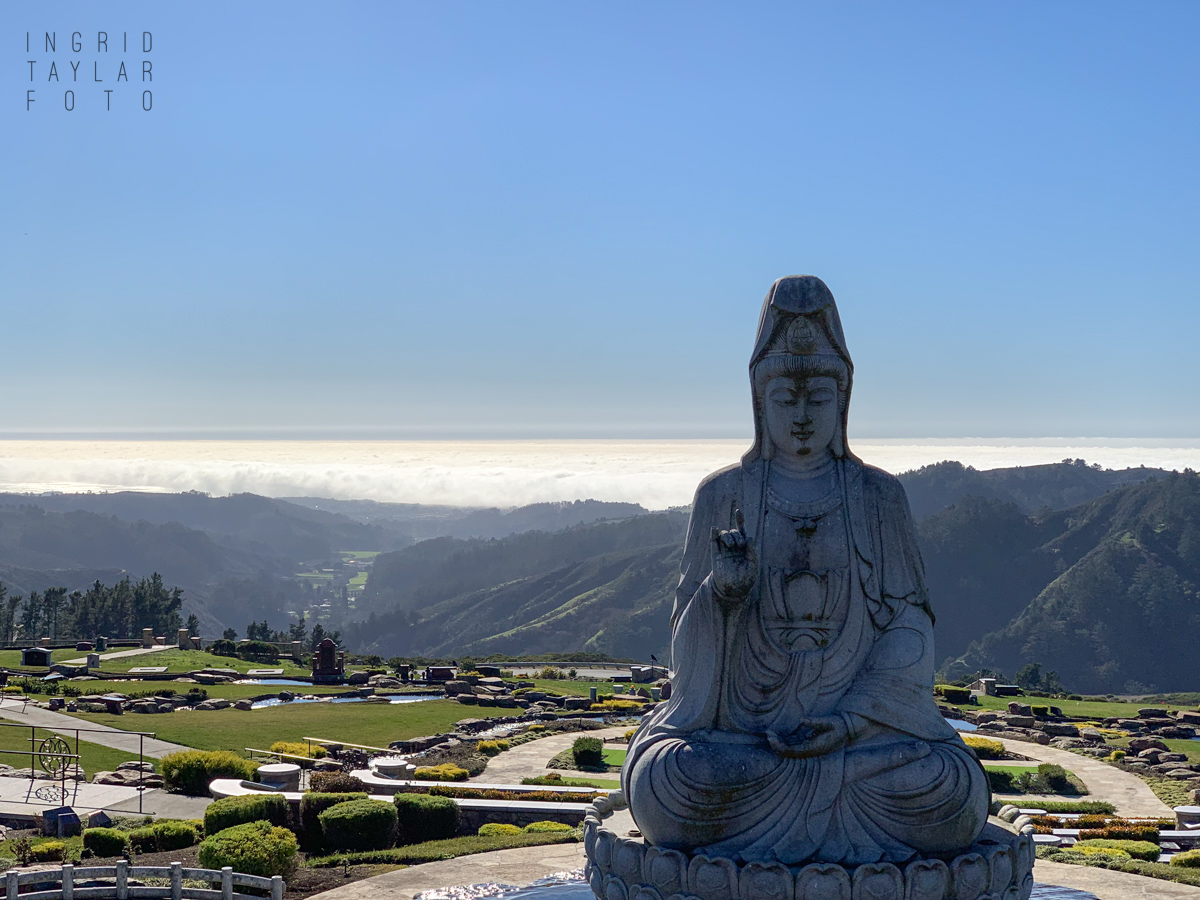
(655, 474)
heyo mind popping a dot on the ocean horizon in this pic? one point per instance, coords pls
(655, 473)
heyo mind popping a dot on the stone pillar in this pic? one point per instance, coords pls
(45, 642)
(297, 649)
(185, 639)
(147, 637)
(93, 660)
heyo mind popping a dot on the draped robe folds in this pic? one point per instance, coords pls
(700, 775)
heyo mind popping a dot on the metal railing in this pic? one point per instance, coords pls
(53, 754)
(62, 883)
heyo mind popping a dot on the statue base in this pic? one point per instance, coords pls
(998, 866)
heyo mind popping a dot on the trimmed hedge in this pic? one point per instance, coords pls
(314, 803)
(469, 793)
(443, 772)
(190, 771)
(953, 694)
(48, 851)
(299, 748)
(336, 783)
(1188, 859)
(257, 650)
(588, 751)
(491, 829)
(984, 748)
(1136, 849)
(223, 647)
(230, 811)
(1134, 833)
(105, 841)
(546, 827)
(359, 825)
(174, 835)
(421, 817)
(256, 848)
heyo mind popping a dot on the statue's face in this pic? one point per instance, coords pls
(801, 418)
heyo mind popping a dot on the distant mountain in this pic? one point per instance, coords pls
(1123, 612)
(427, 573)
(1056, 486)
(424, 522)
(245, 522)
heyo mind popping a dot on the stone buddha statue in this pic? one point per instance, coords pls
(802, 725)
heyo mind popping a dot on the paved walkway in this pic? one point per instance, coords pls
(1128, 793)
(95, 734)
(1109, 885)
(118, 654)
(515, 867)
(19, 796)
(529, 760)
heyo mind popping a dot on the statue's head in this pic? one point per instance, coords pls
(800, 373)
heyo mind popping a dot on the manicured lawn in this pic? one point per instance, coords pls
(1010, 768)
(360, 723)
(12, 658)
(95, 758)
(574, 688)
(223, 691)
(613, 756)
(1083, 708)
(190, 660)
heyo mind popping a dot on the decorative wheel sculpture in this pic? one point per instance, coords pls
(51, 793)
(53, 764)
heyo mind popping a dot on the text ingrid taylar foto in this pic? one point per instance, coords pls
(110, 71)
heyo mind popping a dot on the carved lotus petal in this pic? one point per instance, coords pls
(926, 879)
(614, 889)
(1026, 887)
(603, 855)
(645, 892)
(666, 870)
(589, 839)
(822, 881)
(1000, 862)
(713, 878)
(1011, 894)
(878, 881)
(759, 881)
(970, 876)
(627, 860)
(1025, 856)
(596, 881)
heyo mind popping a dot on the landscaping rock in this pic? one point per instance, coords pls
(108, 778)
(1173, 757)
(1152, 712)
(1176, 732)
(1186, 715)
(244, 705)
(983, 718)
(1151, 756)
(1137, 766)
(143, 706)
(577, 703)
(467, 699)
(1019, 709)
(1015, 721)
(1060, 729)
(84, 678)
(286, 696)
(1181, 774)
(1091, 735)
(357, 678)
(1139, 744)
(134, 766)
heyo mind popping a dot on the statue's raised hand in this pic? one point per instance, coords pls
(735, 562)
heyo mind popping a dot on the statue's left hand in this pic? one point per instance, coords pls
(827, 734)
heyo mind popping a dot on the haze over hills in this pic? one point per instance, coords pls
(1024, 565)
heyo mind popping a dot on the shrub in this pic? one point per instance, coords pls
(1040, 711)
(105, 841)
(615, 706)
(1188, 859)
(298, 748)
(421, 817)
(359, 825)
(256, 848)
(1137, 849)
(174, 835)
(1086, 850)
(190, 771)
(336, 783)
(984, 748)
(588, 751)
(491, 829)
(313, 804)
(444, 772)
(230, 811)
(952, 694)
(474, 793)
(536, 727)
(258, 650)
(488, 748)
(223, 648)
(1055, 777)
(1121, 833)
(48, 851)
(1116, 756)
(543, 827)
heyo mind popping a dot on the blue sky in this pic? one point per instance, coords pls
(559, 219)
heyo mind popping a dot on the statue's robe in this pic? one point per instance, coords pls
(838, 624)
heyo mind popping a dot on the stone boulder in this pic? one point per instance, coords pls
(1173, 757)
(244, 705)
(1015, 721)
(1180, 774)
(467, 699)
(143, 706)
(457, 686)
(1152, 712)
(1139, 744)
(286, 696)
(1019, 709)
(1061, 729)
(1176, 733)
(357, 678)
(134, 766)
(577, 703)
(1188, 717)
(1091, 735)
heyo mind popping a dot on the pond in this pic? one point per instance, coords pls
(272, 681)
(571, 886)
(962, 725)
(392, 701)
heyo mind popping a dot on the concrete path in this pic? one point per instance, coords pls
(515, 867)
(1128, 793)
(95, 734)
(117, 654)
(19, 797)
(1109, 885)
(529, 760)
